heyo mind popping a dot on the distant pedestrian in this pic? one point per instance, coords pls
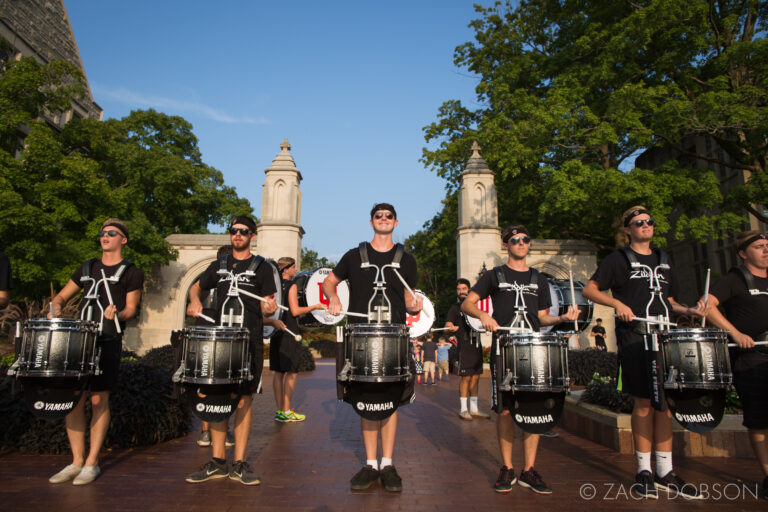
(598, 332)
(418, 362)
(429, 360)
(443, 356)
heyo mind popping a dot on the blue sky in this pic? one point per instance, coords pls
(350, 84)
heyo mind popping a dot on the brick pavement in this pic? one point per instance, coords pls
(447, 464)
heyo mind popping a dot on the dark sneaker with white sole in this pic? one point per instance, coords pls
(506, 480)
(644, 486)
(532, 480)
(241, 472)
(673, 484)
(209, 471)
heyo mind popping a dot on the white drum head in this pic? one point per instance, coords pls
(485, 305)
(420, 324)
(314, 295)
(268, 329)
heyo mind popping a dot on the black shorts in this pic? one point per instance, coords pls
(111, 348)
(249, 387)
(635, 379)
(470, 359)
(284, 353)
(750, 377)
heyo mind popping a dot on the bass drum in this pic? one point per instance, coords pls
(309, 291)
(269, 331)
(560, 292)
(420, 324)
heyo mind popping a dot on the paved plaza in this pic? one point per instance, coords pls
(447, 465)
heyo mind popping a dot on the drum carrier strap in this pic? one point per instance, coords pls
(499, 271)
(749, 279)
(88, 265)
(251, 267)
(630, 255)
(363, 250)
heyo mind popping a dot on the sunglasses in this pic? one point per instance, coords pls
(388, 215)
(638, 223)
(242, 231)
(112, 233)
(519, 239)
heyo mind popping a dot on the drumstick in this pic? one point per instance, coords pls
(295, 336)
(206, 317)
(349, 313)
(257, 297)
(109, 298)
(573, 298)
(706, 297)
(439, 329)
(413, 294)
(648, 320)
(756, 343)
(53, 312)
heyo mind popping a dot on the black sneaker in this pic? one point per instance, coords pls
(643, 486)
(533, 481)
(674, 484)
(390, 479)
(364, 478)
(506, 480)
(241, 472)
(209, 471)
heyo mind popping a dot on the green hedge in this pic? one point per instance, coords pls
(583, 364)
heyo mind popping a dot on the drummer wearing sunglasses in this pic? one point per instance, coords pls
(126, 293)
(742, 297)
(630, 294)
(517, 242)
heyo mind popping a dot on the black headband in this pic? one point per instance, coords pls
(633, 215)
(750, 241)
(287, 267)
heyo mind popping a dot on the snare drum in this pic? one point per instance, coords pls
(58, 347)
(376, 353)
(309, 292)
(560, 292)
(534, 362)
(696, 358)
(215, 355)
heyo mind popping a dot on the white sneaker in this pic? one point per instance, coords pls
(66, 474)
(465, 415)
(87, 475)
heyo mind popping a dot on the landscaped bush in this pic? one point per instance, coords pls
(602, 391)
(326, 347)
(583, 364)
(161, 357)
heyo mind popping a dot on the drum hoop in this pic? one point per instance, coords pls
(60, 324)
(401, 329)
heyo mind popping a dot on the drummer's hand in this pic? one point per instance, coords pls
(319, 305)
(624, 312)
(699, 310)
(269, 306)
(489, 324)
(110, 312)
(743, 340)
(278, 324)
(572, 314)
(334, 306)
(194, 308)
(416, 305)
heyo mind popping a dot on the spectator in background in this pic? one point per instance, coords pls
(598, 332)
(443, 355)
(429, 350)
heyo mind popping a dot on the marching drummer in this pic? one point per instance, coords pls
(255, 277)
(516, 271)
(284, 349)
(470, 356)
(743, 296)
(631, 295)
(377, 403)
(118, 298)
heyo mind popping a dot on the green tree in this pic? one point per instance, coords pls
(569, 92)
(310, 259)
(55, 192)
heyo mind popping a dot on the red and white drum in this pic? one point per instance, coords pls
(420, 324)
(485, 305)
(268, 329)
(309, 287)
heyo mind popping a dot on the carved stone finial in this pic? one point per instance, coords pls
(286, 146)
(475, 150)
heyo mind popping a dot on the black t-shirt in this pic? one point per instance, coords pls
(429, 350)
(748, 313)
(631, 286)
(599, 331)
(131, 279)
(262, 284)
(288, 319)
(361, 281)
(457, 318)
(6, 282)
(504, 300)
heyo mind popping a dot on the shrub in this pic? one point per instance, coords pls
(162, 358)
(583, 364)
(487, 355)
(602, 391)
(326, 347)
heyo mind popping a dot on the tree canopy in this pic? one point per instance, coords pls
(571, 91)
(310, 259)
(58, 187)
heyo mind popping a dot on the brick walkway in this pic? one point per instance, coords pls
(446, 464)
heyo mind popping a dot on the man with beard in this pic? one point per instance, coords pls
(537, 302)
(241, 263)
(631, 294)
(470, 356)
(125, 291)
(743, 296)
(379, 252)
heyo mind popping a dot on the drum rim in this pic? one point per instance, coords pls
(63, 324)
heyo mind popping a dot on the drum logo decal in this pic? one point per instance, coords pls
(39, 405)
(205, 362)
(40, 350)
(56, 406)
(360, 406)
(709, 363)
(384, 406)
(694, 418)
(534, 420)
(376, 347)
(690, 353)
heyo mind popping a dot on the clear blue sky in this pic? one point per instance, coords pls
(350, 84)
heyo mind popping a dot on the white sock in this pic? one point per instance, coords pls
(373, 463)
(643, 461)
(663, 463)
(473, 404)
(463, 402)
(385, 462)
